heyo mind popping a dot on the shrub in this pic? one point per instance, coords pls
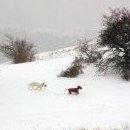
(89, 51)
(75, 69)
(125, 76)
(19, 51)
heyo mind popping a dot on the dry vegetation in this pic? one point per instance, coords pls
(19, 51)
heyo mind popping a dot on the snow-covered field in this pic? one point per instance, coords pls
(104, 101)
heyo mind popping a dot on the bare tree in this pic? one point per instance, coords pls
(88, 51)
(19, 51)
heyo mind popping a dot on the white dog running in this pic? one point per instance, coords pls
(37, 85)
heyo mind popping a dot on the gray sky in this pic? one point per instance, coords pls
(57, 15)
(52, 21)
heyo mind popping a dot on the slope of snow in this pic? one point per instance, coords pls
(60, 53)
(103, 101)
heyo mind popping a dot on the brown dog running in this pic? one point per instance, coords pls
(74, 90)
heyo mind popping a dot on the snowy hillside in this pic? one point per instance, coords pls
(103, 101)
(60, 53)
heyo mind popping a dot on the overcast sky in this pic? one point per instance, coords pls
(56, 15)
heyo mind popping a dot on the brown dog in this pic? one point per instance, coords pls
(74, 90)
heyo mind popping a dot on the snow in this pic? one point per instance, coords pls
(58, 53)
(103, 101)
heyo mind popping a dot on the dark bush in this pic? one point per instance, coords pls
(125, 76)
(74, 70)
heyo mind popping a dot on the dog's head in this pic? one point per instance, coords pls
(79, 87)
(44, 85)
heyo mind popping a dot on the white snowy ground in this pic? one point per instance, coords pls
(104, 101)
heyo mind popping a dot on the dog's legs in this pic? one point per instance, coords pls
(69, 91)
(77, 93)
(34, 87)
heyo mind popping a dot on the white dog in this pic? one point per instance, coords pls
(37, 85)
